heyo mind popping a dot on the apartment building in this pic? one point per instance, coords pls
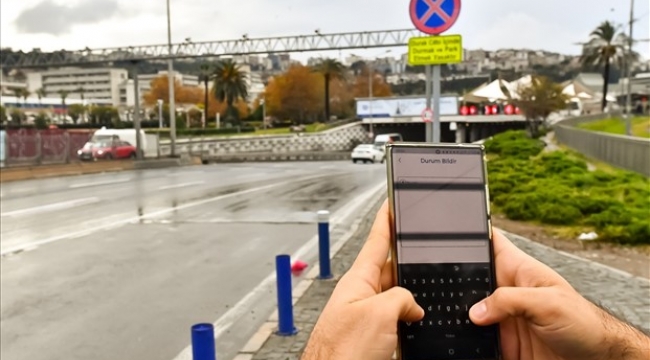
(95, 83)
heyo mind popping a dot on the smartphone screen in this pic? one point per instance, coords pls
(443, 248)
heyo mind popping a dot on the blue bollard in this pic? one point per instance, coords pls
(203, 347)
(285, 305)
(324, 244)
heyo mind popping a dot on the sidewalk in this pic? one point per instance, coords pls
(623, 294)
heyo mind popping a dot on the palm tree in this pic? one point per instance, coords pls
(18, 93)
(330, 69)
(41, 94)
(229, 85)
(605, 47)
(81, 91)
(24, 93)
(205, 72)
(64, 95)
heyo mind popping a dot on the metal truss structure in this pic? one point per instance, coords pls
(186, 50)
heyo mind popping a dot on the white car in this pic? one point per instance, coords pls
(368, 153)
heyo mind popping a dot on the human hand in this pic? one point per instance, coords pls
(542, 317)
(360, 321)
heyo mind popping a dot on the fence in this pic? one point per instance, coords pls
(626, 152)
(36, 147)
(26, 147)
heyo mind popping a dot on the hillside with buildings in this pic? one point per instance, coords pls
(114, 85)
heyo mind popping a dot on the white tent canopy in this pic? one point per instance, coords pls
(492, 91)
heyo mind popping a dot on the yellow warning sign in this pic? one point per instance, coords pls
(435, 50)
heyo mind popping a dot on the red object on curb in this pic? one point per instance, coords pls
(298, 267)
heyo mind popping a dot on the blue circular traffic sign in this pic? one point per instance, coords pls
(434, 17)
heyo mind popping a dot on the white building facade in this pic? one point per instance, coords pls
(95, 83)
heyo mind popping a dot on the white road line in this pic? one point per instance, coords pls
(261, 290)
(51, 207)
(149, 216)
(176, 186)
(99, 183)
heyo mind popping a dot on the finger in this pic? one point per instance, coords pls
(537, 305)
(387, 281)
(398, 302)
(516, 268)
(375, 251)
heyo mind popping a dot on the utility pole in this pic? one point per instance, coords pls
(172, 81)
(370, 79)
(628, 99)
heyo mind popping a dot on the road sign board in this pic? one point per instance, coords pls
(427, 115)
(435, 50)
(434, 17)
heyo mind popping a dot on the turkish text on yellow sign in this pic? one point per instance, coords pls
(435, 50)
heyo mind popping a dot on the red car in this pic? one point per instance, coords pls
(107, 150)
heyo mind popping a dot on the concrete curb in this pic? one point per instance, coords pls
(260, 337)
(50, 171)
(272, 157)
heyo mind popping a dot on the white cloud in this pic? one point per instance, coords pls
(551, 24)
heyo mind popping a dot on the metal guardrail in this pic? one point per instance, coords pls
(626, 152)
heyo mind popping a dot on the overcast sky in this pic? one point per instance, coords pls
(554, 25)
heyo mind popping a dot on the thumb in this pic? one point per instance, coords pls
(538, 305)
(400, 302)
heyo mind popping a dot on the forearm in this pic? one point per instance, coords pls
(624, 341)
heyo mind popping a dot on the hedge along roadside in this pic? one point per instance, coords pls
(557, 188)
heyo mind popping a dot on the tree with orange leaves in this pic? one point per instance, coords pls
(182, 94)
(379, 87)
(296, 95)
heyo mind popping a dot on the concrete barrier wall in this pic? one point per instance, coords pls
(626, 152)
(340, 139)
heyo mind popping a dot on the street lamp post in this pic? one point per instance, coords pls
(172, 105)
(371, 73)
(628, 98)
(160, 113)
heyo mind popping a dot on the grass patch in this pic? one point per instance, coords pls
(557, 189)
(640, 126)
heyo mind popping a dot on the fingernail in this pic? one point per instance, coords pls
(478, 311)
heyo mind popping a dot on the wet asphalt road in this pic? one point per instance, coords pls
(119, 266)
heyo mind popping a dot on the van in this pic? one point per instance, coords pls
(383, 139)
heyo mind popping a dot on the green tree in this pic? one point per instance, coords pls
(82, 94)
(3, 115)
(41, 120)
(229, 85)
(18, 93)
(17, 116)
(330, 69)
(104, 115)
(538, 100)
(604, 47)
(76, 111)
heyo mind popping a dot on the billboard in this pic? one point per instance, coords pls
(403, 107)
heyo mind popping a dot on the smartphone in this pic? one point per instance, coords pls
(442, 247)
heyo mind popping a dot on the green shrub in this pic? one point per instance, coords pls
(558, 214)
(557, 188)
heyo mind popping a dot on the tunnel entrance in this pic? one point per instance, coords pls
(466, 132)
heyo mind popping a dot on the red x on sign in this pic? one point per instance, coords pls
(433, 17)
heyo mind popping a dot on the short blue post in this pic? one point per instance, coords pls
(324, 244)
(285, 304)
(203, 347)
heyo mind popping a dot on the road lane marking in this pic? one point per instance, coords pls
(51, 207)
(167, 187)
(136, 219)
(261, 290)
(99, 183)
